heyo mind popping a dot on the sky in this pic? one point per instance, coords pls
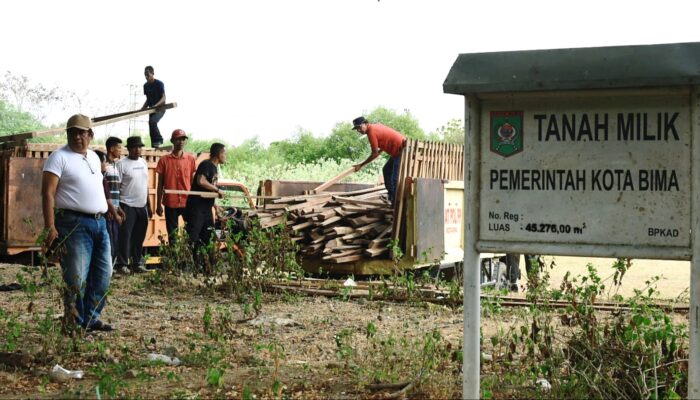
(269, 68)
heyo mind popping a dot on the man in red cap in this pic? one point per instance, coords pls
(175, 171)
(382, 138)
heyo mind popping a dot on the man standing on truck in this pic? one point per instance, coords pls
(133, 193)
(382, 138)
(155, 97)
(114, 180)
(73, 204)
(199, 217)
(175, 171)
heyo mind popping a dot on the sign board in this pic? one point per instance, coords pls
(584, 152)
(587, 168)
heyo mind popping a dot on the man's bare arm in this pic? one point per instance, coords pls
(49, 183)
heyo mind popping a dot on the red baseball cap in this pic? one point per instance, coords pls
(178, 133)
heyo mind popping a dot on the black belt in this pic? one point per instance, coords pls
(82, 214)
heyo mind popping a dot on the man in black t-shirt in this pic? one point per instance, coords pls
(198, 215)
(155, 97)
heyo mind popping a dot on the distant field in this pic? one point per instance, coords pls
(675, 275)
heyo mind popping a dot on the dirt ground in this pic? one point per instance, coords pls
(296, 342)
(152, 319)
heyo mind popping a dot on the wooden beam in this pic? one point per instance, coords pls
(97, 121)
(206, 195)
(356, 257)
(350, 200)
(334, 180)
(376, 252)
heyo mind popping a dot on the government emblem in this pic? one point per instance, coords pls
(506, 132)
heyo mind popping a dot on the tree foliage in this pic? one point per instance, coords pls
(13, 121)
(452, 132)
(303, 147)
(28, 96)
(405, 123)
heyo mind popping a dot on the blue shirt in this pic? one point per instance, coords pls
(153, 91)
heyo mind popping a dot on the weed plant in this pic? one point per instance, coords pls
(636, 352)
(426, 365)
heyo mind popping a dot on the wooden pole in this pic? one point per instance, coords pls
(97, 121)
(214, 195)
(333, 181)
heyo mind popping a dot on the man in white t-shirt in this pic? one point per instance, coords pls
(133, 199)
(74, 203)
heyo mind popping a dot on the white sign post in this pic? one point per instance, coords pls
(585, 152)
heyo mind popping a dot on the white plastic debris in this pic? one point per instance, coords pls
(270, 320)
(486, 357)
(60, 374)
(544, 384)
(349, 282)
(165, 359)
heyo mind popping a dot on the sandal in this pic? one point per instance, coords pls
(100, 326)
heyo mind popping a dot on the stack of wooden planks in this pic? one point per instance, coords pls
(336, 227)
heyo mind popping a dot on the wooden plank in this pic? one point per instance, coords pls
(344, 253)
(330, 221)
(385, 232)
(271, 222)
(333, 243)
(341, 212)
(343, 230)
(347, 247)
(363, 220)
(272, 206)
(378, 243)
(310, 203)
(335, 179)
(320, 239)
(366, 228)
(405, 170)
(104, 120)
(351, 236)
(206, 195)
(363, 242)
(347, 259)
(364, 191)
(375, 252)
(316, 234)
(329, 213)
(108, 119)
(301, 226)
(349, 200)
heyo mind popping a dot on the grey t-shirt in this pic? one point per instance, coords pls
(133, 190)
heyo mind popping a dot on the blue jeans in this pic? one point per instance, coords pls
(153, 131)
(391, 176)
(86, 264)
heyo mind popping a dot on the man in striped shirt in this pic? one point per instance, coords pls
(114, 179)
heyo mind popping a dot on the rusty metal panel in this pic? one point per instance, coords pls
(21, 216)
(24, 216)
(4, 159)
(429, 219)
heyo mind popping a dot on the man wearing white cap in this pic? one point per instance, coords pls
(74, 203)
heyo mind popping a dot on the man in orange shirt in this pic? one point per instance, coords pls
(382, 138)
(175, 171)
